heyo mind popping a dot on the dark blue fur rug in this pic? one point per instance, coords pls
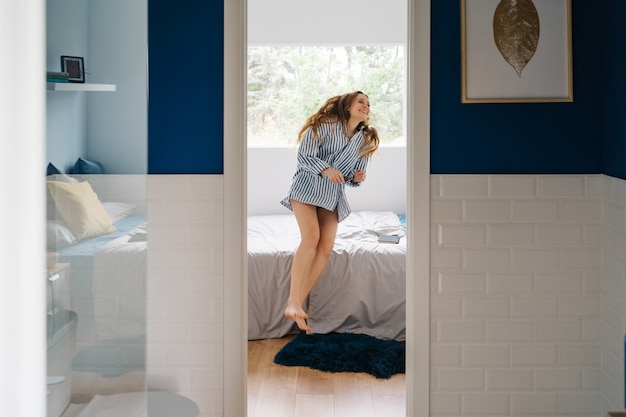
(344, 352)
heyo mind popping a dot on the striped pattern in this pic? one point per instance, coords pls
(334, 150)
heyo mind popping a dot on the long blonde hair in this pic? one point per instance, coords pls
(334, 110)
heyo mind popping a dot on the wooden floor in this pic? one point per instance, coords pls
(286, 391)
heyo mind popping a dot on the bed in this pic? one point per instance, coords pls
(104, 241)
(362, 289)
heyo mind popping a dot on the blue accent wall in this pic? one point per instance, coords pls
(515, 138)
(185, 104)
(614, 88)
(587, 136)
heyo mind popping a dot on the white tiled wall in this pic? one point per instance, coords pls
(185, 288)
(528, 306)
(516, 268)
(614, 294)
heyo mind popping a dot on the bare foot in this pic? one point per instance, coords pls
(299, 316)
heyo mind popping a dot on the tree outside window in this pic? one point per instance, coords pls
(288, 83)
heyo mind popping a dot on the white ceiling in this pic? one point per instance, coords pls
(327, 22)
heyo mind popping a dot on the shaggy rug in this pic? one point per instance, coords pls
(344, 352)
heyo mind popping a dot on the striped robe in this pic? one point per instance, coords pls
(335, 150)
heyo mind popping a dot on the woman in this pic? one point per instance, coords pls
(335, 145)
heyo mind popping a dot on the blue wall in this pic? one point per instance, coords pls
(185, 111)
(614, 110)
(185, 106)
(514, 138)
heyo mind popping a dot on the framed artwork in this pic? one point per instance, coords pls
(75, 67)
(516, 51)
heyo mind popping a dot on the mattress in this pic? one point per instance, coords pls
(361, 290)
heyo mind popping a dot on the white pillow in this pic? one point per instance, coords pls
(118, 210)
(58, 235)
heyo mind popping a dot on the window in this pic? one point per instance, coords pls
(288, 83)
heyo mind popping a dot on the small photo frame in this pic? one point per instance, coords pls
(75, 67)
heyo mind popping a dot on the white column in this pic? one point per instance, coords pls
(22, 205)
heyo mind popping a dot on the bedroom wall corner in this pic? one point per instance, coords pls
(185, 300)
(613, 294)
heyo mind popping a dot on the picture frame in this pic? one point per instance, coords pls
(75, 67)
(508, 59)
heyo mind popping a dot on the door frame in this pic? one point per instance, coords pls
(418, 210)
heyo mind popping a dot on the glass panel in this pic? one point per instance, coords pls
(96, 184)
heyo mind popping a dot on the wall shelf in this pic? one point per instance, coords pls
(80, 87)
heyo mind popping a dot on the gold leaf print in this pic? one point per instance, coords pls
(516, 32)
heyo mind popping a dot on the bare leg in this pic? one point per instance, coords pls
(318, 228)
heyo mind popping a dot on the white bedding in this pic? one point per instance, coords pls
(362, 289)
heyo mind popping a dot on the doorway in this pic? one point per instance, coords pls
(235, 201)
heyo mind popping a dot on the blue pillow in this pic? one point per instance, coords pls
(84, 166)
(52, 170)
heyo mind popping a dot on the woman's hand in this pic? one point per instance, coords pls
(359, 176)
(334, 175)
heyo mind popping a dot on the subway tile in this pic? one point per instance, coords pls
(485, 404)
(486, 355)
(461, 379)
(535, 307)
(509, 379)
(580, 355)
(509, 331)
(591, 379)
(580, 307)
(619, 191)
(512, 282)
(446, 211)
(559, 235)
(567, 186)
(167, 332)
(445, 355)
(462, 235)
(592, 329)
(462, 186)
(487, 259)
(536, 259)
(206, 379)
(581, 211)
(547, 379)
(559, 282)
(465, 283)
(535, 211)
(558, 331)
(581, 258)
(486, 307)
(445, 403)
(461, 331)
(594, 186)
(510, 235)
(446, 258)
(513, 186)
(527, 355)
(492, 211)
(529, 403)
(592, 235)
(580, 402)
(446, 307)
(206, 331)
(206, 235)
(209, 355)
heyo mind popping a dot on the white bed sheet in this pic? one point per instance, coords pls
(362, 289)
